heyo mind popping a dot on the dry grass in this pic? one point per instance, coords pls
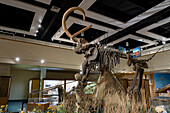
(111, 103)
(107, 98)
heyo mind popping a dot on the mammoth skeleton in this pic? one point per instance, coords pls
(104, 58)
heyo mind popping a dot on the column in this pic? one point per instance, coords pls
(42, 75)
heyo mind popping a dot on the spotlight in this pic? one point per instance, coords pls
(98, 43)
(127, 44)
(17, 59)
(35, 35)
(36, 31)
(39, 25)
(97, 67)
(42, 61)
(141, 40)
(81, 72)
(163, 42)
(82, 33)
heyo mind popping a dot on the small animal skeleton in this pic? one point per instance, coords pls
(105, 58)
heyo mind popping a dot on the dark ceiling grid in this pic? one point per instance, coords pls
(122, 10)
(143, 36)
(36, 3)
(128, 9)
(15, 17)
(55, 20)
(132, 44)
(163, 30)
(88, 19)
(137, 26)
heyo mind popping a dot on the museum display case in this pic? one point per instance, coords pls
(38, 103)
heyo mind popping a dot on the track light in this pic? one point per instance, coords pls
(17, 59)
(82, 33)
(81, 72)
(164, 42)
(127, 44)
(39, 26)
(42, 61)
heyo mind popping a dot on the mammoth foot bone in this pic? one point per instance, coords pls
(131, 90)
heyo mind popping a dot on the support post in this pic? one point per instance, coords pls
(64, 97)
(42, 75)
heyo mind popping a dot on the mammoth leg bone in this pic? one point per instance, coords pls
(131, 87)
(139, 85)
(86, 69)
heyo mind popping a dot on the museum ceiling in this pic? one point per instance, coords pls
(144, 23)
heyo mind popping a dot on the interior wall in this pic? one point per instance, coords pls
(161, 80)
(60, 75)
(20, 83)
(54, 57)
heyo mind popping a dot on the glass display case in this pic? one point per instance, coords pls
(38, 103)
(163, 102)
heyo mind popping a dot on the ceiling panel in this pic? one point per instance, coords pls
(132, 43)
(122, 10)
(163, 30)
(17, 18)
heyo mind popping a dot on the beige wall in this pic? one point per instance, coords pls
(161, 61)
(54, 57)
(20, 82)
(60, 75)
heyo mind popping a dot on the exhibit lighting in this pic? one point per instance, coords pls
(127, 44)
(42, 61)
(96, 67)
(163, 42)
(82, 33)
(39, 25)
(81, 72)
(17, 59)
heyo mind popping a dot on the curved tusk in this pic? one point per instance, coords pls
(64, 22)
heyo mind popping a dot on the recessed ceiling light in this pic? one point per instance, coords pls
(39, 25)
(17, 59)
(81, 72)
(127, 44)
(42, 61)
(163, 42)
(141, 40)
(82, 33)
